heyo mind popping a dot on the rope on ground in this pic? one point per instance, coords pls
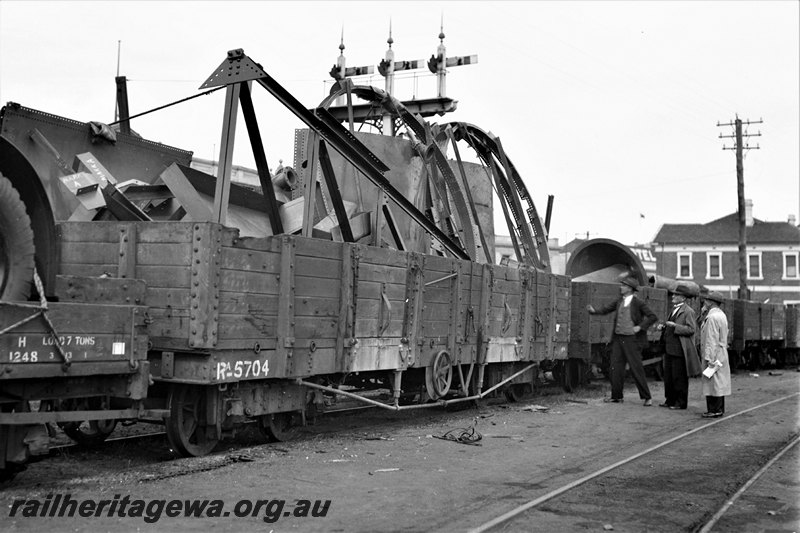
(468, 435)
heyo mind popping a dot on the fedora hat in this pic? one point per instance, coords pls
(682, 290)
(714, 296)
(631, 282)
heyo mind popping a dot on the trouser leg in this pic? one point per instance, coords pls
(617, 368)
(719, 406)
(634, 358)
(669, 392)
(680, 384)
(716, 404)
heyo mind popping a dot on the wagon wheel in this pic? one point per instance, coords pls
(278, 427)
(89, 432)
(187, 430)
(516, 391)
(16, 245)
(572, 375)
(10, 468)
(439, 375)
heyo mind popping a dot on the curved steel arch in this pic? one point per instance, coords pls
(529, 229)
(524, 222)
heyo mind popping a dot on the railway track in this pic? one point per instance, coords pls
(625, 472)
(344, 408)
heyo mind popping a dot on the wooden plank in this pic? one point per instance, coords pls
(240, 281)
(242, 304)
(311, 287)
(371, 290)
(249, 260)
(499, 300)
(439, 294)
(382, 256)
(435, 328)
(164, 254)
(258, 244)
(164, 276)
(250, 326)
(75, 317)
(382, 273)
(318, 267)
(169, 297)
(437, 264)
(82, 270)
(307, 247)
(507, 287)
(93, 253)
(100, 290)
(369, 328)
(89, 253)
(108, 232)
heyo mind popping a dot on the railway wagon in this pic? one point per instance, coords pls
(70, 346)
(264, 305)
(759, 334)
(60, 360)
(792, 333)
(240, 325)
(595, 268)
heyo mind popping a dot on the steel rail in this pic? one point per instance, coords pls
(73, 445)
(714, 519)
(569, 486)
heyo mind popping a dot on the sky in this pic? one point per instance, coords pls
(611, 107)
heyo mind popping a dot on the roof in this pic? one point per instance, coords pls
(726, 230)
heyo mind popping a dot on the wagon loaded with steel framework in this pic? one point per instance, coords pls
(368, 266)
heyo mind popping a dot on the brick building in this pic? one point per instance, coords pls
(708, 254)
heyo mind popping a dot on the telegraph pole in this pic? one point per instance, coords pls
(739, 146)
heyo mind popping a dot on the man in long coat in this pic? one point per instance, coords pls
(680, 352)
(632, 317)
(714, 342)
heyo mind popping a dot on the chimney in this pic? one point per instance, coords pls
(792, 220)
(748, 212)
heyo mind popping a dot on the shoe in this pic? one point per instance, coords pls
(648, 402)
(613, 400)
(673, 407)
(712, 415)
(665, 404)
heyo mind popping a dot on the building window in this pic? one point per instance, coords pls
(754, 265)
(714, 265)
(684, 265)
(790, 267)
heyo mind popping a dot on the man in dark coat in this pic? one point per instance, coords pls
(680, 351)
(631, 320)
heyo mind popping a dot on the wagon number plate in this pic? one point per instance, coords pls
(242, 369)
(35, 349)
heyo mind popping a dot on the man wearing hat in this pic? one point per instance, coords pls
(631, 320)
(714, 342)
(680, 352)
